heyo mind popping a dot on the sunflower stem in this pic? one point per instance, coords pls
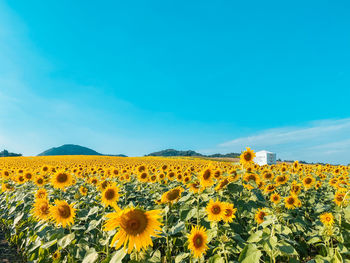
(168, 251)
(224, 250)
(198, 203)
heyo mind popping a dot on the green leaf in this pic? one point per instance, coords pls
(250, 254)
(156, 257)
(17, 219)
(92, 225)
(93, 210)
(337, 257)
(314, 240)
(91, 256)
(287, 249)
(216, 259)
(66, 240)
(212, 233)
(178, 228)
(255, 237)
(49, 244)
(180, 258)
(347, 213)
(185, 198)
(118, 256)
(191, 214)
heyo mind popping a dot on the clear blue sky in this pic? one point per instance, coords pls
(214, 76)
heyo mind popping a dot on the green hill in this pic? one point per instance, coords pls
(6, 153)
(172, 152)
(69, 149)
(72, 149)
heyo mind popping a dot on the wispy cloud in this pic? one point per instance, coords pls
(325, 140)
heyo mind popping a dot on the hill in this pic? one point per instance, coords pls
(69, 149)
(172, 152)
(72, 149)
(6, 153)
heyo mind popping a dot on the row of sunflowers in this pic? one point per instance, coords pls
(152, 209)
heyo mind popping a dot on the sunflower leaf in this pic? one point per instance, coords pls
(91, 256)
(250, 254)
(118, 256)
(66, 240)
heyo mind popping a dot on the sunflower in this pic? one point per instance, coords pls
(247, 157)
(248, 177)
(197, 241)
(186, 179)
(39, 181)
(261, 185)
(45, 169)
(61, 179)
(83, 190)
(172, 195)
(308, 182)
(153, 178)
(143, 177)
(318, 185)
(6, 187)
(233, 175)
(103, 185)
(269, 188)
(268, 175)
(179, 177)
(195, 187)
(275, 198)
(295, 188)
(260, 215)
(206, 178)
(292, 202)
(296, 165)
(222, 184)
(248, 186)
(110, 195)
(62, 213)
(161, 176)
(215, 210)
(41, 194)
(327, 219)
(281, 179)
(333, 182)
(5, 174)
(28, 176)
(41, 209)
(135, 228)
(56, 256)
(20, 179)
(93, 181)
(217, 174)
(171, 175)
(141, 168)
(229, 213)
(339, 198)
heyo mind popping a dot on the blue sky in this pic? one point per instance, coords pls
(213, 76)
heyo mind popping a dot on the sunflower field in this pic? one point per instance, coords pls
(152, 209)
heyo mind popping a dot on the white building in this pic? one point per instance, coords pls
(265, 157)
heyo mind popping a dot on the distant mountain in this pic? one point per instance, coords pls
(116, 155)
(71, 149)
(6, 153)
(172, 152)
(226, 155)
